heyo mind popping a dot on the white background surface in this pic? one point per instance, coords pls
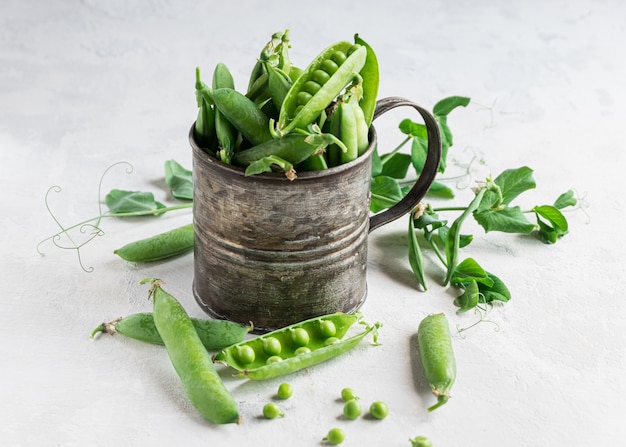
(84, 84)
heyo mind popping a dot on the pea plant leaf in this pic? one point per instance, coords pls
(385, 192)
(179, 180)
(447, 105)
(497, 291)
(469, 298)
(271, 163)
(566, 199)
(441, 110)
(513, 182)
(551, 222)
(470, 270)
(397, 166)
(121, 201)
(507, 220)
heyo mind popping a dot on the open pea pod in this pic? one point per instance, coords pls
(320, 83)
(294, 347)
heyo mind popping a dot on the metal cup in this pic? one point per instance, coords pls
(274, 252)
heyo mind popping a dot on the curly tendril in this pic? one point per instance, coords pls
(66, 238)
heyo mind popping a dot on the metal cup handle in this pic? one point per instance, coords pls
(427, 176)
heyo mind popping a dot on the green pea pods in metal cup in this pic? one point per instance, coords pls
(295, 347)
(275, 251)
(437, 356)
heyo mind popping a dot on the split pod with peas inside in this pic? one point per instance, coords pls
(319, 84)
(295, 347)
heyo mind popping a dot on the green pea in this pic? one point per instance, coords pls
(285, 391)
(379, 410)
(272, 411)
(190, 359)
(335, 436)
(272, 346)
(348, 394)
(338, 57)
(328, 328)
(421, 441)
(245, 354)
(329, 67)
(304, 97)
(164, 245)
(437, 355)
(331, 341)
(320, 76)
(352, 409)
(302, 350)
(294, 148)
(300, 336)
(274, 359)
(311, 87)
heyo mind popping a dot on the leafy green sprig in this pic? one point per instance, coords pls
(491, 207)
(120, 204)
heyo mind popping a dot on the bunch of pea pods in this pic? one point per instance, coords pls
(290, 119)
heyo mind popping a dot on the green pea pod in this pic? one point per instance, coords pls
(334, 151)
(294, 148)
(243, 113)
(362, 130)
(437, 356)
(278, 86)
(371, 80)
(214, 334)
(191, 361)
(320, 83)
(161, 246)
(275, 52)
(294, 347)
(349, 134)
(226, 133)
(205, 122)
(316, 162)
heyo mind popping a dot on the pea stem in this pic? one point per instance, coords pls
(385, 158)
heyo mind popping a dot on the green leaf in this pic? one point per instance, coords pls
(413, 129)
(513, 182)
(470, 270)
(385, 192)
(464, 239)
(397, 166)
(419, 151)
(447, 105)
(469, 298)
(440, 190)
(179, 180)
(416, 259)
(120, 201)
(446, 140)
(566, 199)
(556, 225)
(507, 220)
(377, 164)
(498, 291)
(270, 163)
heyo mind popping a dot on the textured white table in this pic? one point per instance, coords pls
(84, 84)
